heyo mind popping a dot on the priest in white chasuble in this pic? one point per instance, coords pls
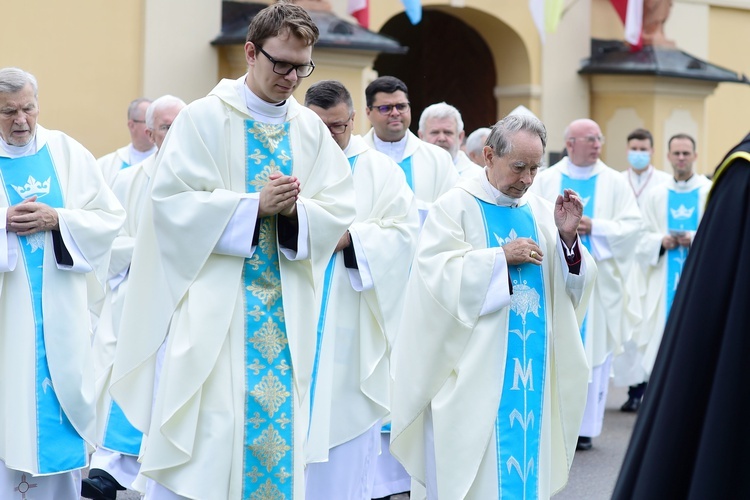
(362, 302)
(490, 372)
(609, 229)
(114, 464)
(58, 219)
(671, 215)
(249, 199)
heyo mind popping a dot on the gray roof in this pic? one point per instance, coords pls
(335, 32)
(613, 57)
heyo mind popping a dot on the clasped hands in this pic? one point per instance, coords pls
(279, 196)
(670, 242)
(568, 213)
(29, 217)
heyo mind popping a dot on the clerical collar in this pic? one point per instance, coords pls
(395, 150)
(501, 199)
(18, 151)
(685, 182)
(263, 111)
(138, 156)
(348, 147)
(577, 172)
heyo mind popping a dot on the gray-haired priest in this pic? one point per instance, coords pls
(490, 371)
(57, 223)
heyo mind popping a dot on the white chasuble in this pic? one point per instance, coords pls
(506, 396)
(59, 446)
(48, 417)
(616, 225)
(676, 208)
(360, 313)
(231, 412)
(114, 431)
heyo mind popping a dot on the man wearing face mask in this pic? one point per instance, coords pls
(641, 175)
(643, 179)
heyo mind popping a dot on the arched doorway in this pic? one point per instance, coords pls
(447, 61)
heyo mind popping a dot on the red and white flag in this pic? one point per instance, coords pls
(631, 13)
(360, 10)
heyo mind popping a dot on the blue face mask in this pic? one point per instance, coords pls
(639, 159)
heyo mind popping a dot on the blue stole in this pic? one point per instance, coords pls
(124, 165)
(268, 469)
(120, 435)
(324, 312)
(682, 215)
(405, 165)
(518, 426)
(586, 189)
(59, 447)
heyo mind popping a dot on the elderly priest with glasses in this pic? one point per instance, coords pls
(249, 199)
(58, 220)
(609, 229)
(490, 372)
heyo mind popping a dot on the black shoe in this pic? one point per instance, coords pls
(631, 405)
(100, 485)
(584, 443)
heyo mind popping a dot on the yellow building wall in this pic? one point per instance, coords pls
(729, 108)
(87, 59)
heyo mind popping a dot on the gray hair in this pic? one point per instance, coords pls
(164, 101)
(133, 106)
(500, 137)
(439, 111)
(14, 80)
(475, 141)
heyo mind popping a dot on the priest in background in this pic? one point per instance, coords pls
(362, 303)
(609, 229)
(691, 436)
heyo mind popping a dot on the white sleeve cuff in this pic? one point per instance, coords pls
(303, 247)
(361, 278)
(8, 244)
(498, 293)
(237, 238)
(599, 244)
(80, 265)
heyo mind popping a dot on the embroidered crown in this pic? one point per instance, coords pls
(33, 187)
(682, 212)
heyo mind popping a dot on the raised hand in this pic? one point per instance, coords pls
(569, 217)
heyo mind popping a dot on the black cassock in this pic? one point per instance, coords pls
(692, 436)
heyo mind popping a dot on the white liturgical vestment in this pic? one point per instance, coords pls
(453, 350)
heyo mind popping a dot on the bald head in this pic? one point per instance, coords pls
(583, 140)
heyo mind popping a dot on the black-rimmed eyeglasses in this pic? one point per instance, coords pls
(385, 109)
(338, 128)
(284, 68)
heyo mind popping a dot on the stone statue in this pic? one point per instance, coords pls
(655, 14)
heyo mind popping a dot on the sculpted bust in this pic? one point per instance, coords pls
(655, 14)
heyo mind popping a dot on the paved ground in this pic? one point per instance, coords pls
(594, 472)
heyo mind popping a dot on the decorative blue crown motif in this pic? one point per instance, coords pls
(682, 213)
(33, 187)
